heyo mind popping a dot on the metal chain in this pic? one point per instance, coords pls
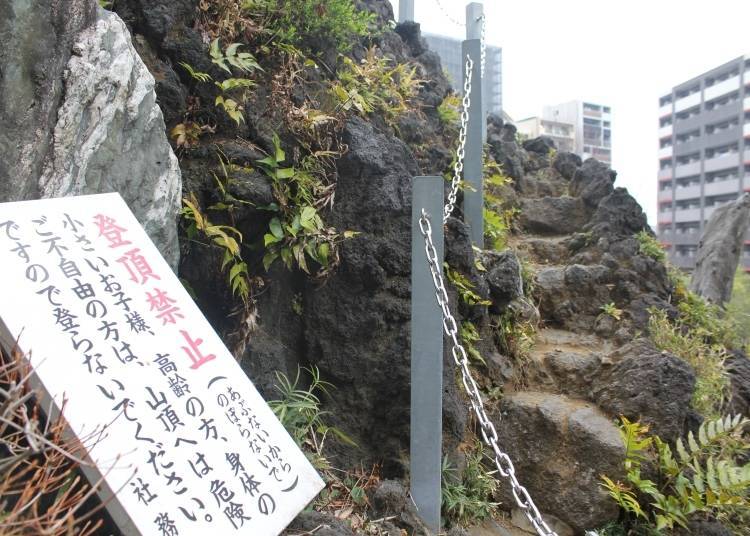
(502, 461)
(448, 15)
(458, 167)
(483, 42)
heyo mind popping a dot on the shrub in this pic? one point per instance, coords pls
(699, 476)
(706, 359)
(467, 499)
(226, 237)
(449, 110)
(374, 85)
(650, 247)
(298, 232)
(324, 24)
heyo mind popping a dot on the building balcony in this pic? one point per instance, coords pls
(747, 156)
(687, 215)
(666, 131)
(665, 195)
(682, 261)
(746, 104)
(687, 102)
(724, 161)
(677, 238)
(665, 152)
(722, 187)
(746, 130)
(688, 192)
(685, 170)
(722, 88)
(665, 110)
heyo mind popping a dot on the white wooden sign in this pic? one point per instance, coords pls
(185, 443)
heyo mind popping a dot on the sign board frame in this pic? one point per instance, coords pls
(58, 258)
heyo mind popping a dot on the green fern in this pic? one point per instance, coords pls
(464, 287)
(703, 476)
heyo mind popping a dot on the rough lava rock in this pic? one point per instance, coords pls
(592, 182)
(110, 133)
(642, 383)
(560, 447)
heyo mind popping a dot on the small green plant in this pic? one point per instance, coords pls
(498, 220)
(297, 233)
(515, 336)
(233, 89)
(470, 335)
(226, 237)
(612, 310)
(231, 56)
(467, 499)
(738, 309)
(307, 24)
(374, 85)
(700, 475)
(449, 111)
(196, 75)
(650, 247)
(706, 359)
(465, 288)
(299, 410)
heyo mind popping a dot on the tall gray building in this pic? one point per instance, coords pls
(704, 155)
(449, 50)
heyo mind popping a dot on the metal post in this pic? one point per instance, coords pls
(406, 10)
(474, 15)
(426, 355)
(473, 172)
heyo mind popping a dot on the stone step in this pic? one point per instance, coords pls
(560, 446)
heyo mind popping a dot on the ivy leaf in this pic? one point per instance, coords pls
(275, 227)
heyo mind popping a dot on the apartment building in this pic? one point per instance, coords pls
(592, 124)
(449, 50)
(563, 134)
(704, 155)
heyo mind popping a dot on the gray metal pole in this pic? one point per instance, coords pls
(473, 164)
(426, 356)
(406, 10)
(474, 14)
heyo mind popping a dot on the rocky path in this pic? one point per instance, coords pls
(576, 235)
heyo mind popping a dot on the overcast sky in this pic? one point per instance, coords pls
(622, 54)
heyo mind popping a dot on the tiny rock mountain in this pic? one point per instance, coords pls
(558, 313)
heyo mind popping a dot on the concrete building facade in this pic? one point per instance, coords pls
(449, 50)
(592, 124)
(563, 134)
(704, 155)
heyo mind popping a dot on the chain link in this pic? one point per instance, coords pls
(449, 16)
(483, 42)
(463, 25)
(489, 434)
(458, 167)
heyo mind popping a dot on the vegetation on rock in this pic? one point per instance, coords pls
(669, 485)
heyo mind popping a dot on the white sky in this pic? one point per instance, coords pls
(622, 54)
